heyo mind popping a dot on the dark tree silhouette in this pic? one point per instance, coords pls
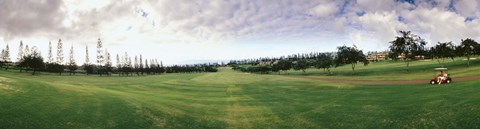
(325, 61)
(468, 48)
(300, 65)
(72, 65)
(442, 51)
(33, 60)
(350, 55)
(407, 45)
(284, 65)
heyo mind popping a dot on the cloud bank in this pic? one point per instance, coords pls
(224, 27)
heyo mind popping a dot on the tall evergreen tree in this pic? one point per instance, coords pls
(130, 66)
(26, 51)
(87, 58)
(2, 63)
(50, 55)
(6, 54)
(152, 66)
(125, 61)
(86, 65)
(108, 62)
(72, 66)
(20, 52)
(126, 64)
(147, 68)
(3, 53)
(157, 67)
(136, 66)
(100, 56)
(60, 52)
(71, 58)
(141, 64)
(119, 63)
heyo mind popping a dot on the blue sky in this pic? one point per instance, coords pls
(187, 31)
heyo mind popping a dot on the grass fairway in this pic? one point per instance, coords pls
(230, 99)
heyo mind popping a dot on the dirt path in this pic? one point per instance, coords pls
(372, 82)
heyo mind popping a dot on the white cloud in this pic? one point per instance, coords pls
(467, 8)
(382, 25)
(30, 17)
(376, 5)
(439, 25)
(183, 29)
(324, 10)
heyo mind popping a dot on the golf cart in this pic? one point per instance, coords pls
(446, 78)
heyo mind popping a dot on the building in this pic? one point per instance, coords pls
(377, 56)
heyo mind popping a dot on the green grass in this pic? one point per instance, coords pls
(230, 99)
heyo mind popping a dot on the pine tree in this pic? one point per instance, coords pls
(26, 51)
(130, 62)
(50, 55)
(141, 64)
(87, 58)
(35, 52)
(126, 65)
(108, 62)
(86, 65)
(125, 61)
(6, 54)
(152, 66)
(152, 63)
(60, 52)
(72, 66)
(147, 69)
(2, 54)
(157, 67)
(100, 55)
(129, 65)
(119, 63)
(136, 66)
(71, 59)
(20, 52)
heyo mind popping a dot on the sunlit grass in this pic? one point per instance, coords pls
(231, 99)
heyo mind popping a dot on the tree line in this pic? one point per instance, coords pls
(344, 56)
(409, 46)
(406, 47)
(31, 59)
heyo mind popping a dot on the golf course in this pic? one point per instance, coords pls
(233, 99)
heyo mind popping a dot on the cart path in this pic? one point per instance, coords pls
(372, 82)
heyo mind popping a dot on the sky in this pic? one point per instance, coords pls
(194, 31)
